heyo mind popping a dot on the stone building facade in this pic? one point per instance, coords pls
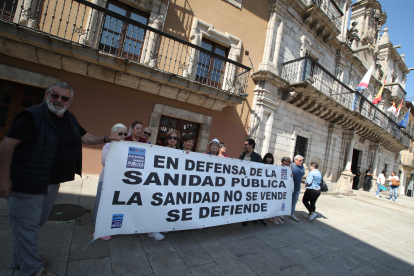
(187, 65)
(305, 94)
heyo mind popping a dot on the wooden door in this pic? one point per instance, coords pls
(15, 97)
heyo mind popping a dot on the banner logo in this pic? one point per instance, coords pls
(284, 174)
(136, 158)
(283, 207)
(117, 220)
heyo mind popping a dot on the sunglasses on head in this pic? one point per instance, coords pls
(173, 138)
(122, 133)
(147, 133)
(54, 97)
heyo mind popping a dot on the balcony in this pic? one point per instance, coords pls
(407, 159)
(324, 16)
(316, 90)
(110, 35)
(397, 92)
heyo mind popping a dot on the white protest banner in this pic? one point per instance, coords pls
(149, 188)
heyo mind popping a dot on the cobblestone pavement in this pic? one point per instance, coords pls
(349, 237)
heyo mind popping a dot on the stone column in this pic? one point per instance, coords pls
(278, 41)
(345, 21)
(349, 154)
(375, 165)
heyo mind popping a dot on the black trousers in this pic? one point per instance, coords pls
(309, 199)
(367, 184)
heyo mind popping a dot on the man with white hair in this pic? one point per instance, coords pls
(42, 149)
(298, 172)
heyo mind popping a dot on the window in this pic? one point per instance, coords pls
(7, 9)
(386, 167)
(183, 126)
(122, 38)
(210, 70)
(301, 146)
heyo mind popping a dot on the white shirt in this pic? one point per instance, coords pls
(381, 179)
(105, 150)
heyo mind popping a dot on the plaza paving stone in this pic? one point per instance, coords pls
(358, 235)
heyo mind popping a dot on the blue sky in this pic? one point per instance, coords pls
(400, 22)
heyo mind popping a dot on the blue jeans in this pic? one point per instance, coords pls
(295, 197)
(393, 189)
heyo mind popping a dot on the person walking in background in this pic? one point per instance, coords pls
(410, 186)
(355, 182)
(268, 159)
(381, 183)
(135, 132)
(42, 149)
(368, 179)
(250, 155)
(223, 149)
(119, 131)
(313, 190)
(394, 182)
(214, 147)
(298, 172)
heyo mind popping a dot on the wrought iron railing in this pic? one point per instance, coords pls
(330, 8)
(308, 69)
(128, 37)
(396, 90)
(407, 159)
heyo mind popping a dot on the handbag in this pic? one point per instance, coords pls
(324, 187)
(395, 182)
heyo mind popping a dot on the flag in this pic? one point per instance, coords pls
(399, 108)
(378, 97)
(392, 109)
(365, 80)
(403, 123)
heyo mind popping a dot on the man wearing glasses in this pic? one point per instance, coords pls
(42, 149)
(250, 155)
(298, 172)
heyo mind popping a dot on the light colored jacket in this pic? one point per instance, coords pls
(314, 179)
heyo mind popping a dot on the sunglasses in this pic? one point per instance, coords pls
(55, 97)
(122, 133)
(146, 133)
(173, 138)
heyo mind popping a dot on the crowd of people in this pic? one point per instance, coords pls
(215, 147)
(43, 148)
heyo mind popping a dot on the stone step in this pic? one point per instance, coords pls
(347, 192)
(384, 199)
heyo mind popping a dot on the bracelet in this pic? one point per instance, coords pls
(105, 139)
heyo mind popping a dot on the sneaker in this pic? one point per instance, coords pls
(395, 200)
(105, 238)
(306, 216)
(274, 220)
(156, 236)
(280, 221)
(282, 217)
(44, 272)
(294, 218)
(313, 216)
(377, 196)
(390, 198)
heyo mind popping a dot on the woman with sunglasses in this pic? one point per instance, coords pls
(172, 139)
(147, 134)
(135, 132)
(120, 131)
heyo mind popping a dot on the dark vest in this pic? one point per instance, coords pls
(32, 163)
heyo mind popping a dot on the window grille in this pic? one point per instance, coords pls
(301, 146)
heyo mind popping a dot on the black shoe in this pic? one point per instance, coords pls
(262, 222)
(244, 223)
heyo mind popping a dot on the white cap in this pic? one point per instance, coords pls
(215, 140)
